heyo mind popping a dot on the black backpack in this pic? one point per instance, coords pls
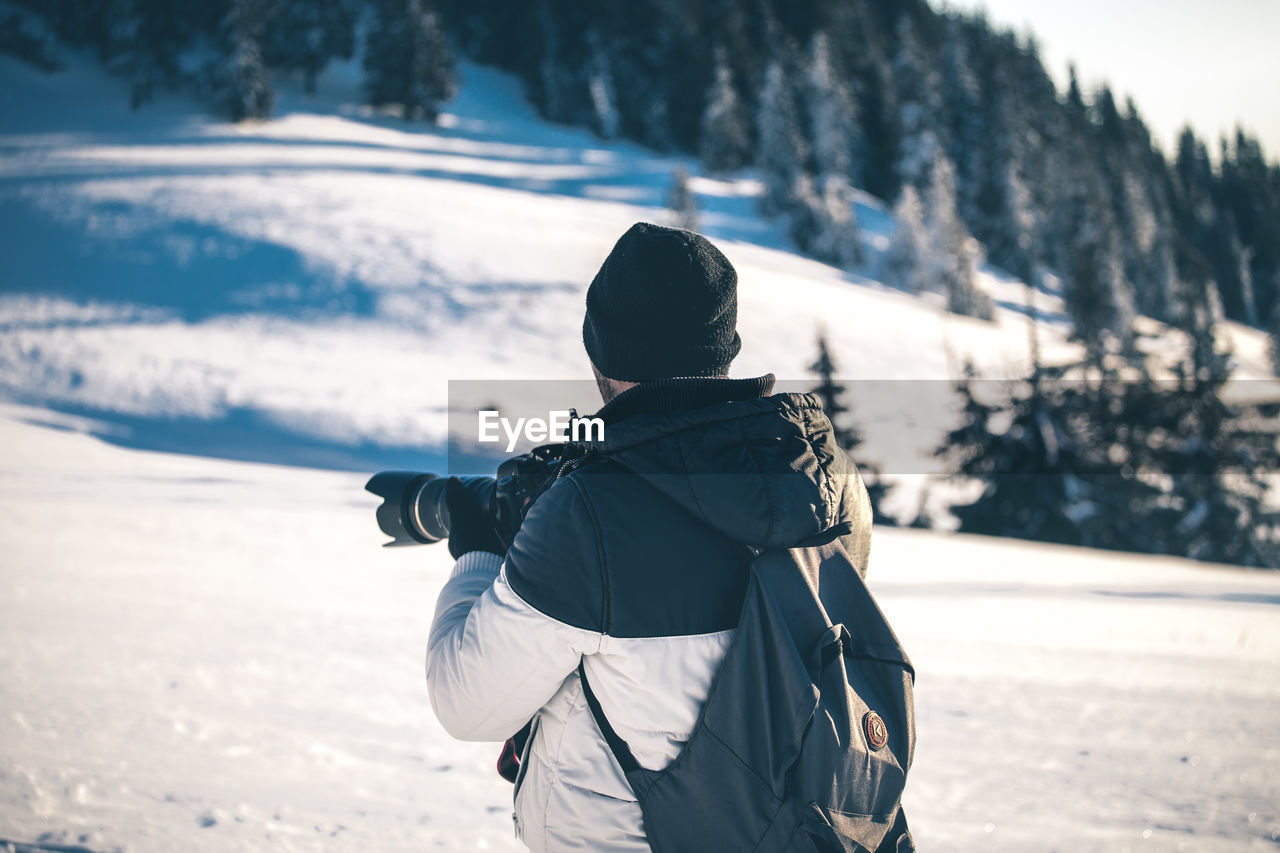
(808, 729)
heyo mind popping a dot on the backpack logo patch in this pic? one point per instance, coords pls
(877, 734)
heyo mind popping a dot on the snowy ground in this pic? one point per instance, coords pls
(208, 655)
(198, 654)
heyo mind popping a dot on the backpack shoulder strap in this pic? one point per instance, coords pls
(626, 760)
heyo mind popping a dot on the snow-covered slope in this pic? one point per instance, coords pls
(206, 655)
(317, 279)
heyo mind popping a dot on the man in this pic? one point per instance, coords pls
(634, 564)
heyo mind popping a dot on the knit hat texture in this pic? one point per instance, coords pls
(664, 304)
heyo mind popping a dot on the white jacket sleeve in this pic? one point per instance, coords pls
(492, 659)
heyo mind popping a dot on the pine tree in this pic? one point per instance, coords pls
(906, 264)
(407, 59)
(781, 151)
(1249, 188)
(1219, 458)
(242, 85)
(822, 222)
(967, 139)
(830, 107)
(725, 141)
(1094, 289)
(1088, 252)
(1273, 346)
(998, 202)
(28, 39)
(305, 35)
(604, 99)
(931, 250)
(1209, 236)
(550, 79)
(954, 254)
(681, 201)
(1031, 470)
(831, 392)
(860, 40)
(1145, 215)
(1133, 464)
(142, 39)
(905, 260)
(920, 108)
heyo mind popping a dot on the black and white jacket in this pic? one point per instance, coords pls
(634, 566)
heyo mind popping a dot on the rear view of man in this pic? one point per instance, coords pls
(631, 570)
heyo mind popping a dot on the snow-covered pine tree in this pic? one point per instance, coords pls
(1143, 187)
(649, 51)
(1036, 111)
(781, 151)
(304, 35)
(830, 107)
(725, 141)
(600, 86)
(1097, 297)
(681, 202)
(1209, 248)
(920, 108)
(954, 254)
(967, 138)
(860, 44)
(998, 203)
(832, 392)
(906, 264)
(1249, 187)
(822, 218)
(241, 84)
(1088, 252)
(822, 222)
(407, 60)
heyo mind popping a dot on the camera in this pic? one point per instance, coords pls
(414, 512)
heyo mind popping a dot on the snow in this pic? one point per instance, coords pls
(204, 654)
(200, 654)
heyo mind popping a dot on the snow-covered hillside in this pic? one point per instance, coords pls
(303, 289)
(201, 654)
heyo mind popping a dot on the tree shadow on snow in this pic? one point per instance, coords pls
(193, 271)
(246, 435)
(7, 846)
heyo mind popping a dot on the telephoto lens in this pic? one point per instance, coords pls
(413, 510)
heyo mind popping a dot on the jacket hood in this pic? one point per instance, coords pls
(764, 470)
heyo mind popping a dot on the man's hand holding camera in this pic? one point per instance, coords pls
(471, 525)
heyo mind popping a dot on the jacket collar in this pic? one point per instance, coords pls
(686, 392)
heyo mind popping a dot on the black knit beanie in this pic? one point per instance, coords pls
(664, 304)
